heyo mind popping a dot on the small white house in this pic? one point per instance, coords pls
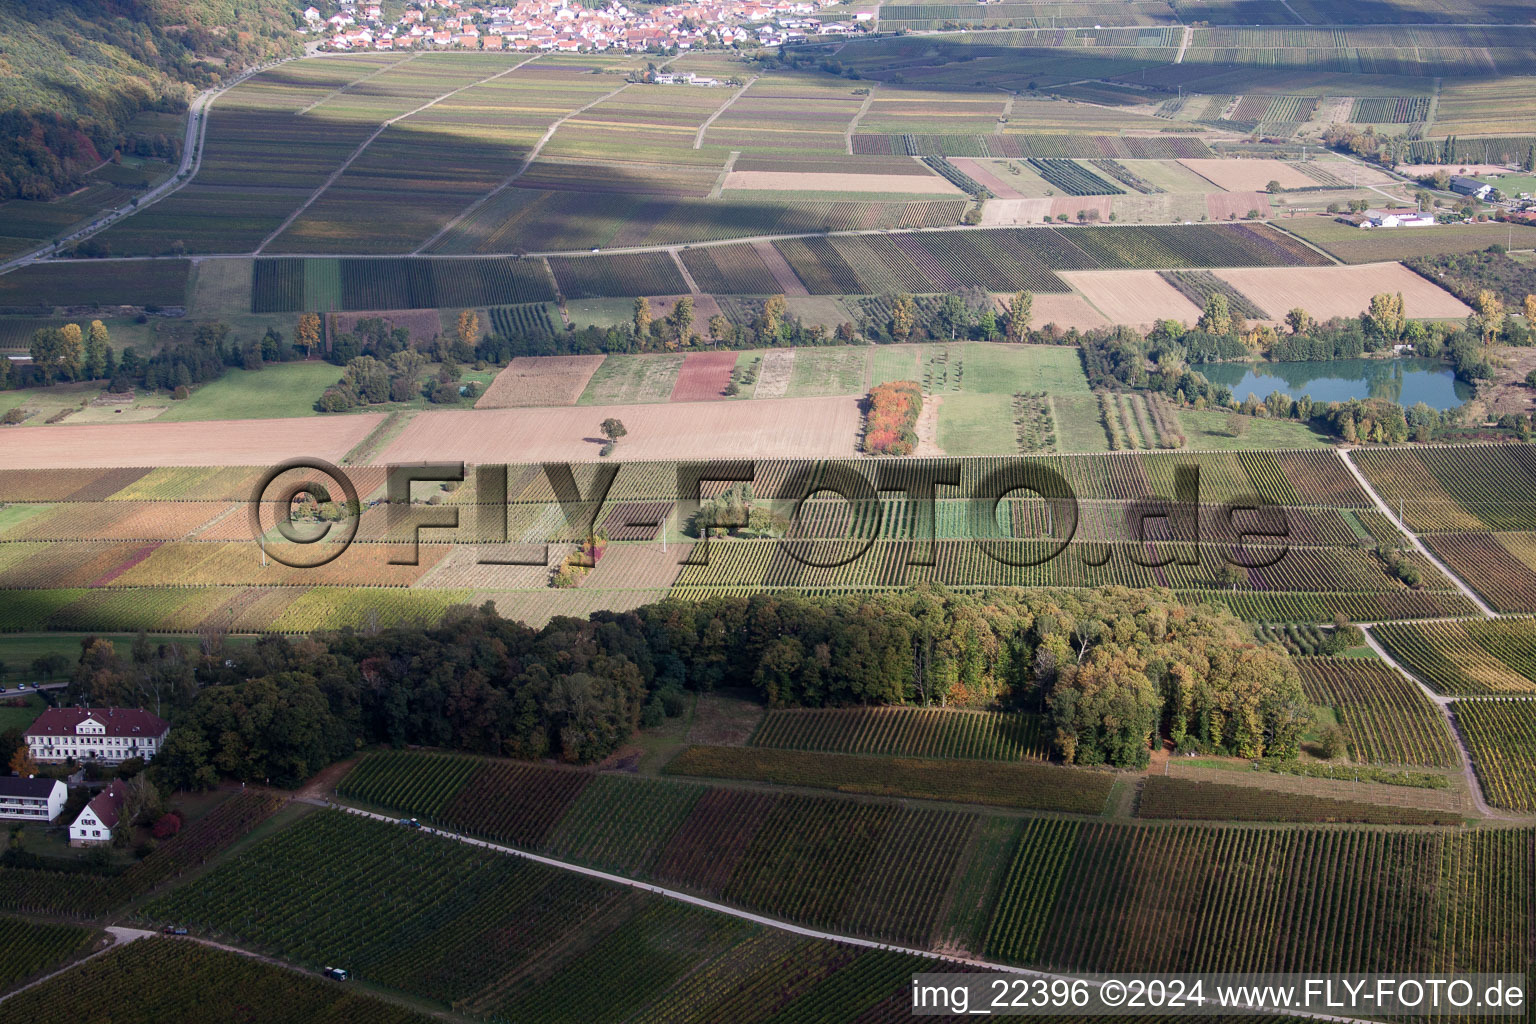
(97, 819)
(31, 799)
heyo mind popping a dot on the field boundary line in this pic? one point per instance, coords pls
(1189, 33)
(693, 286)
(759, 919)
(1007, 113)
(725, 172)
(120, 937)
(522, 168)
(1386, 510)
(1434, 107)
(1443, 703)
(338, 172)
(858, 115)
(358, 81)
(698, 136)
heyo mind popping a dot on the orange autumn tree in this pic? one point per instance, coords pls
(890, 423)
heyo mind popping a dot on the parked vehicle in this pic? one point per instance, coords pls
(336, 974)
(410, 823)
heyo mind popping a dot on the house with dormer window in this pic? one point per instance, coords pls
(104, 735)
(97, 819)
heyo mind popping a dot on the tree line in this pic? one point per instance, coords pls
(1114, 671)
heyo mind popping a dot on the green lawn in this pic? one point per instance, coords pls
(992, 368)
(1078, 426)
(19, 718)
(894, 362)
(829, 371)
(273, 392)
(1208, 429)
(626, 380)
(972, 424)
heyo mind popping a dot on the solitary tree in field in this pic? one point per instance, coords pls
(469, 326)
(1530, 310)
(1299, 321)
(71, 351)
(903, 317)
(1488, 315)
(1274, 188)
(307, 337)
(642, 317)
(96, 351)
(1020, 308)
(613, 429)
(774, 307)
(1217, 318)
(1237, 424)
(682, 319)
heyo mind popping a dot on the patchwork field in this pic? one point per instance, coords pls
(1137, 297)
(540, 380)
(1248, 175)
(791, 428)
(1342, 291)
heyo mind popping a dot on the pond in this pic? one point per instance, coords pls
(1404, 381)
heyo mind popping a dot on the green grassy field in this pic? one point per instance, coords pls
(1208, 429)
(273, 392)
(894, 362)
(992, 368)
(1078, 426)
(20, 718)
(627, 380)
(977, 424)
(1352, 245)
(828, 371)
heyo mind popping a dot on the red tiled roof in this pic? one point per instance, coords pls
(118, 722)
(108, 804)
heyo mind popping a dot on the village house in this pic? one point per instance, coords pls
(31, 799)
(107, 735)
(1464, 186)
(97, 819)
(1397, 219)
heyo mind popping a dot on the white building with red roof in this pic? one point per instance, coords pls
(98, 818)
(107, 735)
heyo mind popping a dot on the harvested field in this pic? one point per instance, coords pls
(1342, 291)
(423, 324)
(637, 567)
(1135, 297)
(704, 376)
(1071, 206)
(237, 442)
(1235, 205)
(795, 181)
(789, 428)
(540, 380)
(1248, 175)
(774, 376)
(1008, 212)
(1065, 311)
(982, 175)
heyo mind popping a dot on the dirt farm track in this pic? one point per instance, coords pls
(787, 427)
(227, 442)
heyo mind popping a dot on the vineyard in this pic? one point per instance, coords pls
(1502, 737)
(907, 732)
(1386, 718)
(1199, 285)
(1073, 178)
(1474, 657)
(1182, 799)
(292, 284)
(1447, 490)
(129, 986)
(1241, 899)
(622, 275)
(27, 947)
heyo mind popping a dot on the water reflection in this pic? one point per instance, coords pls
(1404, 381)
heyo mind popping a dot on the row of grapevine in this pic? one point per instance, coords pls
(283, 285)
(910, 732)
(1386, 718)
(28, 947)
(1502, 737)
(155, 981)
(1456, 488)
(1073, 178)
(1492, 656)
